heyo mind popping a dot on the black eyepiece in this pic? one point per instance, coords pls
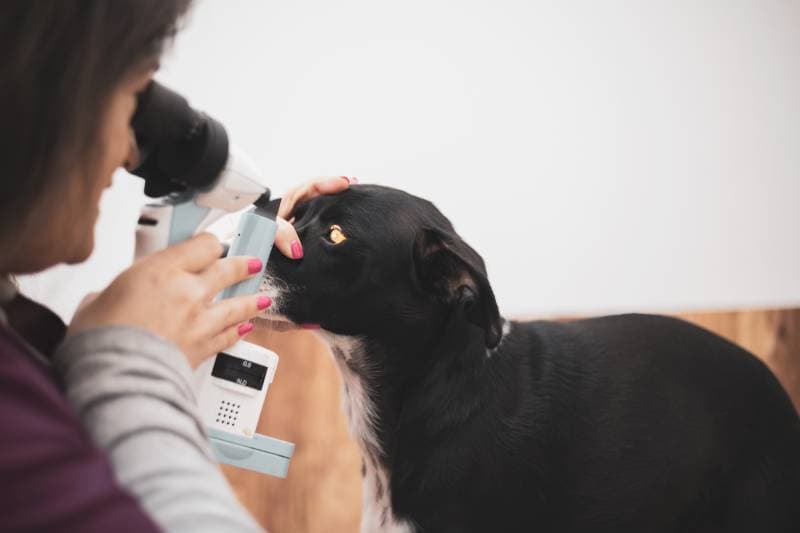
(180, 148)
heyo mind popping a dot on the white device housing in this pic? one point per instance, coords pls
(227, 404)
(239, 185)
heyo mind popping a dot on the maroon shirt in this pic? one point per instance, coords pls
(52, 477)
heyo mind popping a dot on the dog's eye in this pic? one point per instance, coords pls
(336, 235)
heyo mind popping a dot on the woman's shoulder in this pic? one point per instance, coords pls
(30, 398)
(47, 456)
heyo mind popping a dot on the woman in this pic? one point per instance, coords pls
(100, 429)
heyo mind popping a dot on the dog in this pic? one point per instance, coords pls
(468, 422)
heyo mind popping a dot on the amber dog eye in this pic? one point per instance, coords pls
(336, 234)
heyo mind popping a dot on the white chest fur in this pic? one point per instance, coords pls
(377, 515)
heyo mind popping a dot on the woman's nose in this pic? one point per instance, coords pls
(133, 159)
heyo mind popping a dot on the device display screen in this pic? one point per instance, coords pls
(240, 371)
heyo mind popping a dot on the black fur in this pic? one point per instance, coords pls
(624, 423)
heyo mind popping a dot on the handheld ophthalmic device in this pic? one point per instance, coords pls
(198, 177)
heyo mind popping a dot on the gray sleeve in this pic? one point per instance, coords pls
(132, 391)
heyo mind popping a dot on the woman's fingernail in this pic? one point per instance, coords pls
(353, 180)
(245, 328)
(263, 302)
(254, 265)
(310, 326)
(297, 250)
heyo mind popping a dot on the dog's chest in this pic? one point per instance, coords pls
(377, 515)
(377, 511)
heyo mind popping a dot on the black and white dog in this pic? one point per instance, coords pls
(472, 423)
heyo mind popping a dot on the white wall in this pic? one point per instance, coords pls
(601, 156)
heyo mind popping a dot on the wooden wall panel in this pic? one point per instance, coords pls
(323, 490)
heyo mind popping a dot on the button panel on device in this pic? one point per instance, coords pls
(239, 371)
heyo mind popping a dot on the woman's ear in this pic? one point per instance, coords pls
(449, 268)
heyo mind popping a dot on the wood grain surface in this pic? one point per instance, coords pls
(322, 492)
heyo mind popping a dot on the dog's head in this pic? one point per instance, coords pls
(383, 264)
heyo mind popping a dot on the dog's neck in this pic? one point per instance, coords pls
(375, 397)
(364, 406)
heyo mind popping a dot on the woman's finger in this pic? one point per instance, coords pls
(231, 311)
(223, 273)
(311, 190)
(287, 240)
(229, 337)
(193, 255)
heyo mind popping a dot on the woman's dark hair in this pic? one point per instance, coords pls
(60, 61)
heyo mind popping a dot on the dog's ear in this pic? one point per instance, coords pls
(447, 266)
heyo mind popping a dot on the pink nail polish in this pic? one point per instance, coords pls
(297, 250)
(263, 302)
(245, 328)
(254, 265)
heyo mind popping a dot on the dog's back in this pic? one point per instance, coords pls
(630, 423)
(691, 426)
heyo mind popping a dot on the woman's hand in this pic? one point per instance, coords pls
(170, 293)
(286, 239)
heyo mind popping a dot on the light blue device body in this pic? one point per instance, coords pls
(254, 237)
